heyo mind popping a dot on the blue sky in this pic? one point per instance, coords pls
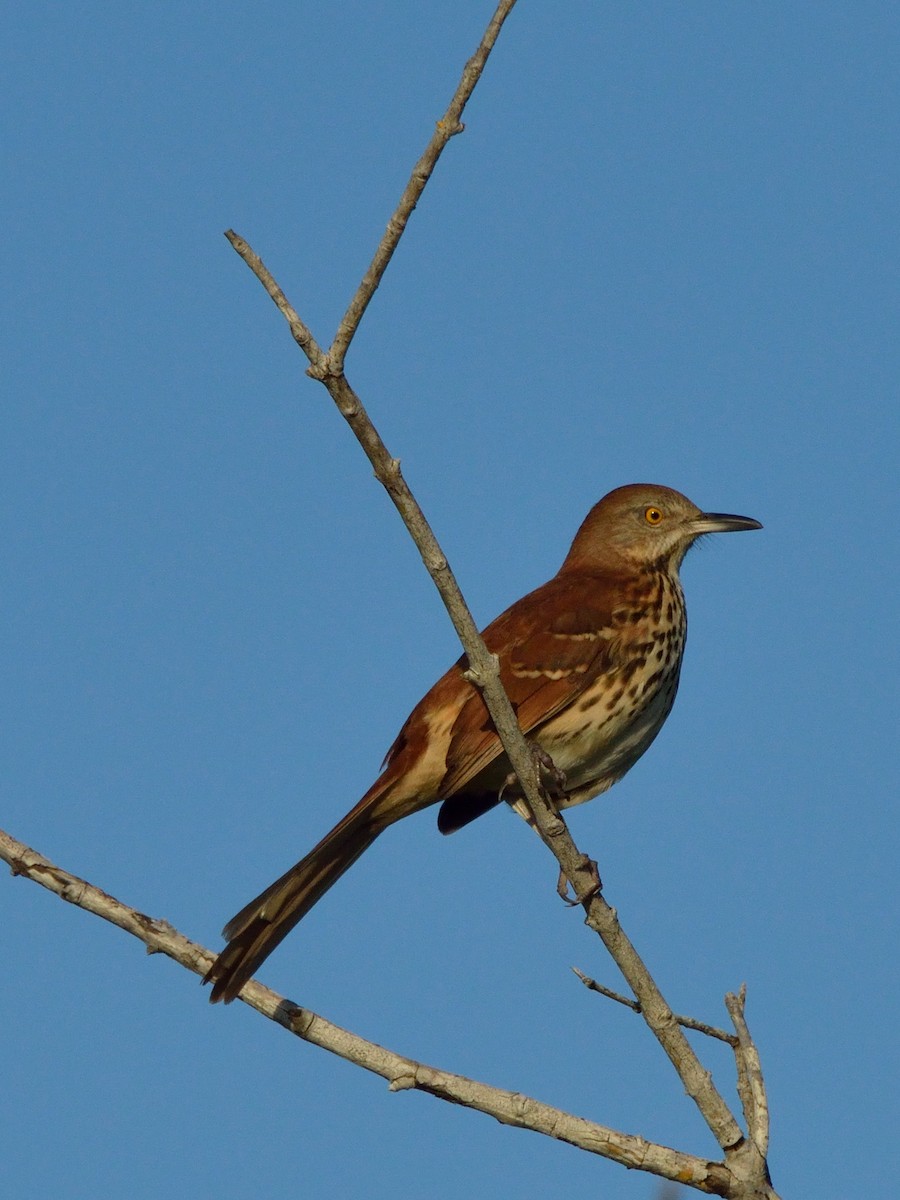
(664, 249)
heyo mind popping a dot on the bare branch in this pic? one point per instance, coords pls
(484, 672)
(751, 1087)
(685, 1022)
(446, 128)
(299, 330)
(401, 1072)
(742, 1175)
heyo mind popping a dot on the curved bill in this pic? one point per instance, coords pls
(723, 523)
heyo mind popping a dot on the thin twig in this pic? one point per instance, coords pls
(686, 1022)
(485, 674)
(743, 1162)
(742, 1156)
(299, 330)
(401, 1072)
(751, 1086)
(446, 128)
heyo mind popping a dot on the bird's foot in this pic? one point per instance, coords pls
(594, 887)
(553, 779)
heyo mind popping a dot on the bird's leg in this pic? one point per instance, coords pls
(594, 888)
(552, 779)
(551, 776)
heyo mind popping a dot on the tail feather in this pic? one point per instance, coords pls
(259, 927)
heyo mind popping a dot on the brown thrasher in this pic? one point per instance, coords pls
(590, 662)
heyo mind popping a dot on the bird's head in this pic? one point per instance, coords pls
(644, 524)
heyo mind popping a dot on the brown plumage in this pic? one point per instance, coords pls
(590, 661)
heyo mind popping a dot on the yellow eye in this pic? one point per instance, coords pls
(653, 516)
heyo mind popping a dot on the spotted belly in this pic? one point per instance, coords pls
(596, 740)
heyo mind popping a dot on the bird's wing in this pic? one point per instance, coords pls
(552, 645)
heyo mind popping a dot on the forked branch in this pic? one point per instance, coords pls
(328, 367)
(742, 1173)
(484, 672)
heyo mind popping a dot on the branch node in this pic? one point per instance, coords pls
(299, 1020)
(73, 891)
(555, 828)
(476, 677)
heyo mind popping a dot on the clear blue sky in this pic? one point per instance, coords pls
(664, 249)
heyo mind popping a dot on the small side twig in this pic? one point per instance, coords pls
(750, 1084)
(686, 1022)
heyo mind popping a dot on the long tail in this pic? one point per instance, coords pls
(258, 928)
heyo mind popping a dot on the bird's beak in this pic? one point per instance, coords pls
(722, 523)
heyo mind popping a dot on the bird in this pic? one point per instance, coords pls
(590, 661)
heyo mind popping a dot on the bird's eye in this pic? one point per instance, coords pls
(652, 516)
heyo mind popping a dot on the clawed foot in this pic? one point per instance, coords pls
(553, 780)
(593, 889)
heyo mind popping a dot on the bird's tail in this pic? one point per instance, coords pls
(258, 928)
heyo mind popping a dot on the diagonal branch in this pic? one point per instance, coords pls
(743, 1172)
(299, 329)
(402, 1073)
(484, 673)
